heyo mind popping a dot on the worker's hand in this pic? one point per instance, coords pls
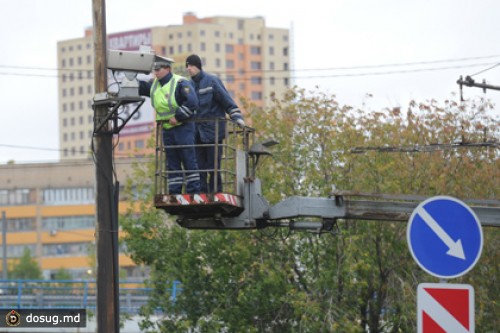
(240, 122)
(172, 121)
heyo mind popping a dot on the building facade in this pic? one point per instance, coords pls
(49, 209)
(253, 61)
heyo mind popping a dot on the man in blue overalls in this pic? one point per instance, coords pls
(175, 102)
(215, 103)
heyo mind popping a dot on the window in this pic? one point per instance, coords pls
(255, 50)
(218, 63)
(230, 79)
(217, 47)
(57, 196)
(16, 251)
(179, 48)
(202, 33)
(255, 65)
(68, 222)
(229, 63)
(285, 51)
(21, 224)
(139, 144)
(179, 35)
(15, 197)
(229, 48)
(217, 33)
(256, 95)
(203, 47)
(65, 249)
(271, 50)
(256, 80)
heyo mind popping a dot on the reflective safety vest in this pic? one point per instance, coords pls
(163, 99)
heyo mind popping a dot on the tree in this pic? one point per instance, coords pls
(361, 279)
(62, 274)
(26, 267)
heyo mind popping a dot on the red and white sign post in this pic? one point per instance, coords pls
(445, 308)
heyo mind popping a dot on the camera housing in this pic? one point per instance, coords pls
(131, 61)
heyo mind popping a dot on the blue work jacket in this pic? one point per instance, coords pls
(215, 102)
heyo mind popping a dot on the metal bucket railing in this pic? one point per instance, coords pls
(236, 140)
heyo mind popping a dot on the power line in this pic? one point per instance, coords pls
(424, 148)
(309, 69)
(230, 72)
(403, 71)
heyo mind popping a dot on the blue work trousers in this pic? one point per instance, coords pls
(206, 161)
(181, 159)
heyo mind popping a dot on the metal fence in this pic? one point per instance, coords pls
(64, 294)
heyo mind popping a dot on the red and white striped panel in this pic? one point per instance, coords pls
(200, 199)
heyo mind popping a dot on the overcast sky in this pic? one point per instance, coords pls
(341, 46)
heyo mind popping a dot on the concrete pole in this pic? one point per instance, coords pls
(4, 246)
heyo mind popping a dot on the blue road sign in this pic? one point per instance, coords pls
(445, 237)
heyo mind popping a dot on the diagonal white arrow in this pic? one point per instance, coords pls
(455, 249)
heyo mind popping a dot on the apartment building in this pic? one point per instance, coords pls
(253, 60)
(50, 209)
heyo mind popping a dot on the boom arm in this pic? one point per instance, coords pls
(293, 212)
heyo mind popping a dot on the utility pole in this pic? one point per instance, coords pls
(4, 246)
(106, 275)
